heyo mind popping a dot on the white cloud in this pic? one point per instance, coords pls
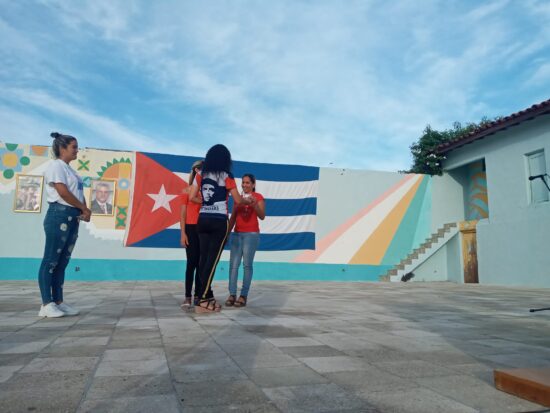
(300, 82)
(541, 76)
(95, 131)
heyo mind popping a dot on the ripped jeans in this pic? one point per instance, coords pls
(61, 228)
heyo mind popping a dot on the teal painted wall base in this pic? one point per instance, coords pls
(134, 270)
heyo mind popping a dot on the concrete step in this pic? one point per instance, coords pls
(529, 384)
(415, 254)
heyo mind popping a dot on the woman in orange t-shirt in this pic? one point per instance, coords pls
(245, 239)
(189, 236)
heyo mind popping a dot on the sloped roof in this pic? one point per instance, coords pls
(539, 109)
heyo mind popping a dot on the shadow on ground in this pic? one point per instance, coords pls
(296, 347)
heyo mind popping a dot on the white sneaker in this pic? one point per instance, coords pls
(67, 309)
(51, 311)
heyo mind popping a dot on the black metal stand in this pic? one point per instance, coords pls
(534, 310)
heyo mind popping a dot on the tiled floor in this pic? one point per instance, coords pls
(297, 347)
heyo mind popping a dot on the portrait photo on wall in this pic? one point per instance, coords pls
(28, 193)
(102, 197)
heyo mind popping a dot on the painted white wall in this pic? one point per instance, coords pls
(434, 268)
(447, 200)
(514, 242)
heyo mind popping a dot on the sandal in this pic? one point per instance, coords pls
(230, 301)
(208, 306)
(186, 303)
(241, 302)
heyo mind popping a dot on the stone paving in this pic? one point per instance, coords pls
(297, 347)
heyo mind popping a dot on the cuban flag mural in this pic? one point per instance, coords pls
(290, 193)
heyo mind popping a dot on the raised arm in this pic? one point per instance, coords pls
(193, 194)
(259, 207)
(196, 197)
(238, 199)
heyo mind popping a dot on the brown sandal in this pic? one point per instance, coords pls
(241, 302)
(230, 301)
(208, 306)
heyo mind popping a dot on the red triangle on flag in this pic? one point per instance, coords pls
(156, 202)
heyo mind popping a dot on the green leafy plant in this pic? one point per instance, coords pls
(425, 158)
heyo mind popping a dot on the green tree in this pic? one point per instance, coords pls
(425, 158)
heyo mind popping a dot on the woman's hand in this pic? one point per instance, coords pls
(184, 242)
(86, 215)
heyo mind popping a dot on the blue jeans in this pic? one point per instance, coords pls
(243, 246)
(61, 228)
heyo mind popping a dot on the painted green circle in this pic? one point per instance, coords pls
(8, 174)
(11, 146)
(25, 160)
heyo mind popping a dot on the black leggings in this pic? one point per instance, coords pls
(212, 237)
(192, 251)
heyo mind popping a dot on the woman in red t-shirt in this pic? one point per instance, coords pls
(189, 236)
(245, 239)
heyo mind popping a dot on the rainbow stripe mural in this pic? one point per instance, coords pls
(383, 232)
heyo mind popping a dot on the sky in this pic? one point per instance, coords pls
(345, 84)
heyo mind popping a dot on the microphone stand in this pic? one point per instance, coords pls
(534, 310)
(542, 179)
(545, 183)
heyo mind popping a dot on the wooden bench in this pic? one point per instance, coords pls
(529, 384)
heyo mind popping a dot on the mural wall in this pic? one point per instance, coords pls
(477, 200)
(361, 222)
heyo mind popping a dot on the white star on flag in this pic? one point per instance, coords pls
(162, 199)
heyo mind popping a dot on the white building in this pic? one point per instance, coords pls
(513, 231)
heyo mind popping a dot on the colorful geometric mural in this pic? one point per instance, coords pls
(19, 159)
(110, 165)
(91, 164)
(477, 200)
(382, 232)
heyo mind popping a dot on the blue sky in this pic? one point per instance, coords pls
(347, 84)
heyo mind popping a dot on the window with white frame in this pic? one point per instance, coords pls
(536, 164)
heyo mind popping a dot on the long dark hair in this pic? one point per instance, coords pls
(218, 159)
(252, 179)
(60, 141)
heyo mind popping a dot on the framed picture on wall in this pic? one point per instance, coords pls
(102, 197)
(28, 193)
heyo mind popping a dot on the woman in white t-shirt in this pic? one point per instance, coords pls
(67, 206)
